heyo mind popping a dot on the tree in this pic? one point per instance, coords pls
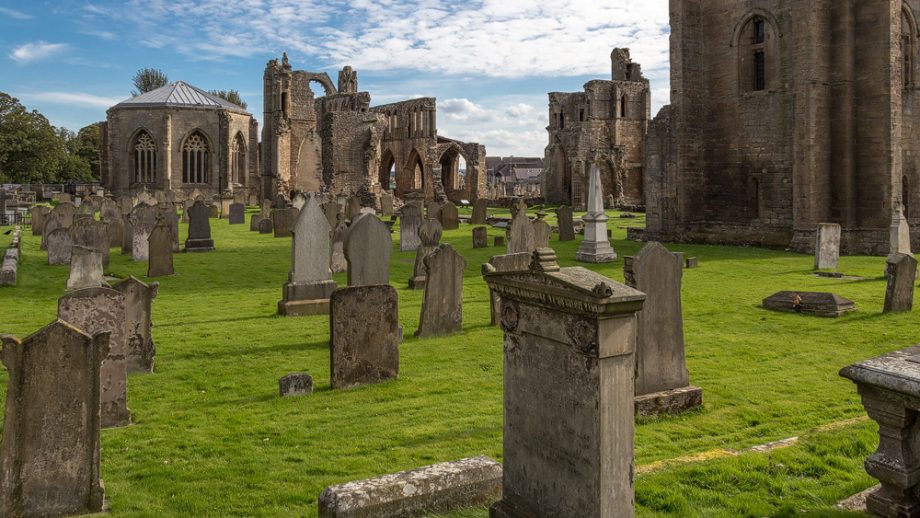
(230, 95)
(85, 146)
(147, 79)
(31, 150)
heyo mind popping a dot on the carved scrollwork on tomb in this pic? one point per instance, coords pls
(511, 315)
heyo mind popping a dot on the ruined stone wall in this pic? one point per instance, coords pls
(351, 151)
(411, 142)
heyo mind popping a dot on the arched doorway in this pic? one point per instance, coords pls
(387, 173)
(453, 169)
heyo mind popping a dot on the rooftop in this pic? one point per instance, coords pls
(180, 94)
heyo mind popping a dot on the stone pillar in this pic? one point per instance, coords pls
(596, 246)
(890, 389)
(570, 335)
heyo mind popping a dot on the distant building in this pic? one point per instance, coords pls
(515, 176)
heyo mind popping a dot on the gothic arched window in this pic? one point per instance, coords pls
(145, 158)
(237, 159)
(195, 159)
(758, 54)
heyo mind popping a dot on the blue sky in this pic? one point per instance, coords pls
(490, 63)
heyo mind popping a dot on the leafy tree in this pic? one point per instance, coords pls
(85, 146)
(147, 79)
(230, 95)
(31, 150)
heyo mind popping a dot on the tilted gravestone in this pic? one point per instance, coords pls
(520, 234)
(442, 305)
(283, 221)
(450, 218)
(38, 214)
(102, 310)
(143, 218)
(367, 247)
(49, 454)
(519, 262)
(364, 341)
(662, 380)
(480, 212)
(140, 350)
(237, 214)
(409, 221)
(91, 234)
(827, 246)
(265, 226)
(199, 229)
(541, 231)
(480, 237)
(171, 218)
(85, 269)
(60, 245)
(160, 245)
(566, 224)
(902, 274)
(568, 358)
(310, 281)
(429, 234)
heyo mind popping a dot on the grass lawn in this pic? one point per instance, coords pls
(211, 437)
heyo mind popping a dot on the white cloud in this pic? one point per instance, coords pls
(106, 35)
(71, 98)
(14, 14)
(28, 52)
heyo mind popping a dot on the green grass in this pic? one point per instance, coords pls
(212, 438)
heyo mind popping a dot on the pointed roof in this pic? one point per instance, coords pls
(180, 94)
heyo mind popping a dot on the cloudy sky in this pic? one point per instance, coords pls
(490, 63)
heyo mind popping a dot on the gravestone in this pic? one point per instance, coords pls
(114, 229)
(49, 454)
(186, 205)
(140, 349)
(199, 229)
(693, 262)
(265, 226)
(519, 262)
(442, 305)
(265, 208)
(662, 380)
(595, 247)
(429, 234)
(902, 274)
(364, 341)
(809, 303)
(310, 281)
(480, 212)
(541, 231)
(353, 209)
(60, 245)
(337, 261)
(59, 217)
(332, 209)
(237, 214)
(899, 233)
(827, 246)
(91, 234)
(368, 246)
(298, 201)
(128, 236)
(500, 241)
(85, 269)
(213, 211)
(102, 310)
(254, 222)
(296, 384)
(283, 221)
(450, 218)
(143, 218)
(38, 214)
(160, 246)
(480, 237)
(433, 210)
(520, 234)
(409, 221)
(567, 441)
(566, 224)
(386, 204)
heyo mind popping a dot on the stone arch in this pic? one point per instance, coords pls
(321, 78)
(196, 162)
(143, 155)
(413, 175)
(758, 61)
(748, 17)
(238, 170)
(387, 169)
(450, 172)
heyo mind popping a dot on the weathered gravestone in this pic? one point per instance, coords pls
(353, 208)
(199, 229)
(114, 228)
(568, 359)
(566, 224)
(429, 234)
(364, 341)
(296, 384)
(265, 226)
(38, 214)
(409, 221)
(171, 218)
(143, 218)
(480, 212)
(213, 210)
(662, 380)
(85, 269)
(140, 349)
(254, 222)
(186, 205)
(160, 247)
(60, 246)
(368, 246)
(102, 310)
(337, 261)
(91, 234)
(59, 217)
(502, 264)
(442, 306)
(386, 204)
(889, 387)
(450, 218)
(128, 242)
(49, 455)
(809, 303)
(332, 209)
(500, 241)
(595, 247)
(480, 237)
(520, 235)
(827, 246)
(310, 281)
(541, 231)
(902, 274)
(433, 210)
(283, 221)
(899, 233)
(237, 214)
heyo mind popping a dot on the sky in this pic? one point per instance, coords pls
(489, 63)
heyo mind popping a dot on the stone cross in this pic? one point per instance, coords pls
(565, 222)
(367, 250)
(364, 341)
(902, 274)
(442, 305)
(199, 229)
(139, 297)
(595, 248)
(160, 247)
(827, 246)
(310, 281)
(143, 218)
(49, 453)
(429, 234)
(409, 221)
(85, 269)
(569, 339)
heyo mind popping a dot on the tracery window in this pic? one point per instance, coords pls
(145, 158)
(195, 159)
(237, 159)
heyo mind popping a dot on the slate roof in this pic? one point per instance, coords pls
(180, 94)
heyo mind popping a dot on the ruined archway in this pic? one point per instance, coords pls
(453, 168)
(387, 173)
